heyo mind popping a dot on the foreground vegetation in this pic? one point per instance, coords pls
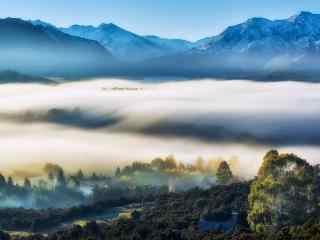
(281, 203)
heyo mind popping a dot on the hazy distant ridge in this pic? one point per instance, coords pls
(258, 49)
(126, 45)
(44, 50)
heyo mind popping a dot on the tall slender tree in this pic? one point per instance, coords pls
(10, 181)
(27, 184)
(224, 173)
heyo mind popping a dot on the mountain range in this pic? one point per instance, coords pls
(44, 50)
(128, 46)
(258, 48)
(278, 44)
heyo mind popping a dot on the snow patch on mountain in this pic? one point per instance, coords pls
(126, 45)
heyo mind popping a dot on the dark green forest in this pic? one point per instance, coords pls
(281, 202)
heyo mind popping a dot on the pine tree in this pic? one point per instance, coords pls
(10, 181)
(224, 173)
(118, 172)
(94, 176)
(61, 178)
(27, 184)
(2, 181)
(74, 181)
(50, 177)
(80, 175)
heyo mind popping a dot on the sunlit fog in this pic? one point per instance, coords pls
(104, 123)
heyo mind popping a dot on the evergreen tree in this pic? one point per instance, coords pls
(61, 178)
(50, 177)
(2, 181)
(74, 182)
(224, 174)
(80, 175)
(10, 182)
(94, 176)
(27, 184)
(283, 194)
(118, 172)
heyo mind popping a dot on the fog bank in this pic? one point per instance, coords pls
(110, 122)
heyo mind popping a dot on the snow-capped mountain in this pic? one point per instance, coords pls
(126, 45)
(297, 35)
(257, 48)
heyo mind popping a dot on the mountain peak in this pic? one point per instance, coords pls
(302, 16)
(305, 13)
(259, 20)
(13, 20)
(38, 22)
(109, 26)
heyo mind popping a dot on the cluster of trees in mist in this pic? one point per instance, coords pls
(54, 189)
(59, 189)
(160, 170)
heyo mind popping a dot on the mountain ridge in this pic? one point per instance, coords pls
(258, 48)
(44, 50)
(126, 45)
(9, 76)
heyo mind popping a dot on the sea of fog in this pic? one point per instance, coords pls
(103, 123)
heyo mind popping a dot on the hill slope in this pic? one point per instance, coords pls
(44, 50)
(15, 77)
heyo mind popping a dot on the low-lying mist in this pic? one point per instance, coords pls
(104, 123)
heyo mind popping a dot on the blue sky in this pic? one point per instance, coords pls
(189, 19)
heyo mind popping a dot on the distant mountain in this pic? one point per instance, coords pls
(259, 35)
(38, 22)
(259, 47)
(291, 44)
(202, 43)
(15, 77)
(41, 49)
(173, 45)
(128, 46)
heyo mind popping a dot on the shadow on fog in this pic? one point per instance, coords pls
(284, 130)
